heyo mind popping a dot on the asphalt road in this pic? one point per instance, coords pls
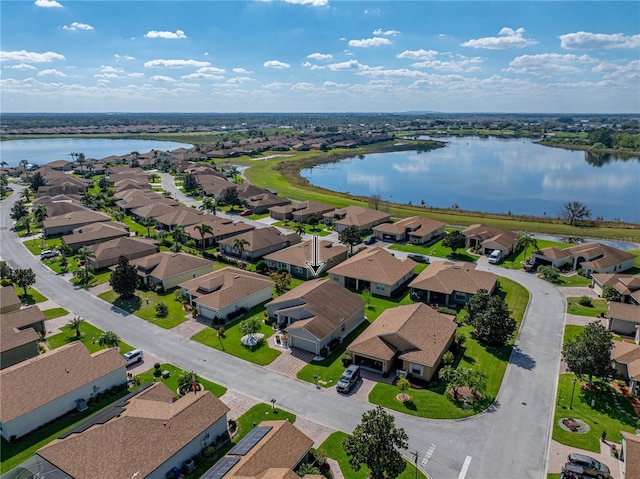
(509, 441)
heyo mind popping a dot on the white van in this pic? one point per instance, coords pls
(134, 356)
(495, 256)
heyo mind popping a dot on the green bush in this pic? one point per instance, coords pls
(162, 310)
(445, 310)
(585, 301)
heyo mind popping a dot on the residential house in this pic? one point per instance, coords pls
(9, 300)
(623, 318)
(374, 269)
(362, 218)
(445, 283)
(625, 359)
(297, 258)
(258, 242)
(94, 233)
(317, 312)
(179, 217)
(60, 165)
(271, 450)
(222, 292)
(20, 331)
(41, 389)
(214, 185)
(628, 285)
(487, 239)
(152, 210)
(146, 434)
(66, 223)
(221, 228)
(108, 253)
(415, 230)
(168, 269)
(411, 337)
(590, 257)
(138, 199)
(630, 455)
(261, 202)
(300, 212)
(62, 204)
(64, 185)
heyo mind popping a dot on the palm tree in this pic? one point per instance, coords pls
(109, 339)
(40, 213)
(178, 234)
(208, 204)
(525, 241)
(26, 194)
(300, 228)
(478, 382)
(238, 246)
(3, 164)
(187, 379)
(147, 221)
(24, 164)
(83, 255)
(25, 221)
(75, 324)
(80, 159)
(203, 229)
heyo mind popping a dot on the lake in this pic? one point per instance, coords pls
(43, 151)
(491, 175)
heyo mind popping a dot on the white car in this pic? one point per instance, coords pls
(48, 253)
(495, 256)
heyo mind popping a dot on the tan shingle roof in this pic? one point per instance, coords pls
(38, 381)
(418, 225)
(75, 218)
(446, 277)
(16, 327)
(261, 238)
(624, 311)
(151, 430)
(9, 300)
(299, 254)
(358, 216)
(632, 457)
(487, 233)
(375, 265)
(222, 227)
(184, 217)
(125, 246)
(96, 231)
(166, 264)
(629, 354)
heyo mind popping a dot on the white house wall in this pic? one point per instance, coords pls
(173, 281)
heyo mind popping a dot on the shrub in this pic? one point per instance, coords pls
(261, 266)
(585, 301)
(445, 310)
(208, 451)
(324, 352)
(448, 358)
(162, 310)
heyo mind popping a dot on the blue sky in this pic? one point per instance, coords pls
(319, 56)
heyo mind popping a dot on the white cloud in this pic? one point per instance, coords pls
(30, 57)
(51, 72)
(211, 70)
(136, 75)
(386, 33)
(22, 66)
(178, 34)
(162, 78)
(241, 71)
(311, 66)
(110, 69)
(547, 64)
(313, 3)
(276, 64)
(106, 75)
(320, 56)
(124, 57)
(508, 38)
(303, 86)
(175, 63)
(238, 80)
(276, 85)
(77, 26)
(460, 63)
(417, 54)
(593, 41)
(47, 4)
(351, 65)
(369, 42)
(629, 72)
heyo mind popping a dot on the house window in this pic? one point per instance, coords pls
(416, 369)
(460, 296)
(379, 287)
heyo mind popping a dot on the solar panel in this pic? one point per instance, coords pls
(221, 467)
(250, 440)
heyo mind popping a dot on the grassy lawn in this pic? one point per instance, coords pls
(599, 306)
(24, 448)
(32, 296)
(37, 245)
(257, 414)
(437, 250)
(333, 447)
(174, 378)
(89, 337)
(516, 259)
(604, 416)
(261, 354)
(143, 305)
(572, 280)
(54, 313)
(434, 402)
(319, 230)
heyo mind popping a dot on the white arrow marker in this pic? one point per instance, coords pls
(315, 264)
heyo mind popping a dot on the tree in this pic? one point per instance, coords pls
(526, 241)
(37, 180)
(208, 204)
(313, 221)
(404, 384)
(374, 202)
(549, 273)
(610, 293)
(24, 278)
(230, 197)
(451, 378)
(299, 228)
(590, 352)
(190, 183)
(39, 213)
(124, 278)
(238, 246)
(109, 339)
(75, 324)
(177, 234)
(350, 236)
(477, 381)
(282, 280)
(188, 382)
(26, 195)
(454, 240)
(25, 222)
(162, 310)
(574, 211)
(494, 324)
(18, 211)
(147, 222)
(250, 327)
(203, 229)
(83, 255)
(308, 468)
(376, 443)
(5, 270)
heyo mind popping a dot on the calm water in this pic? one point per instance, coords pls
(43, 151)
(492, 175)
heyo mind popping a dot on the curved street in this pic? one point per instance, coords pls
(508, 441)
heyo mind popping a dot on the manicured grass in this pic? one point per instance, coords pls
(174, 378)
(54, 313)
(135, 227)
(437, 250)
(334, 449)
(258, 413)
(89, 337)
(604, 416)
(319, 230)
(434, 401)
(599, 307)
(13, 454)
(575, 280)
(261, 354)
(143, 305)
(516, 259)
(32, 296)
(37, 245)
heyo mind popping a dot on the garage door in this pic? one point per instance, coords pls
(302, 343)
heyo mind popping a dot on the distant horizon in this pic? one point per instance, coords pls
(417, 112)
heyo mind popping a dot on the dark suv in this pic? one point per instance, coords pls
(590, 466)
(349, 378)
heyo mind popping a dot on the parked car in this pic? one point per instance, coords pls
(246, 213)
(134, 356)
(495, 256)
(48, 253)
(370, 240)
(418, 258)
(348, 379)
(590, 466)
(571, 471)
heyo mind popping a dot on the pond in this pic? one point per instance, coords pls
(491, 175)
(41, 151)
